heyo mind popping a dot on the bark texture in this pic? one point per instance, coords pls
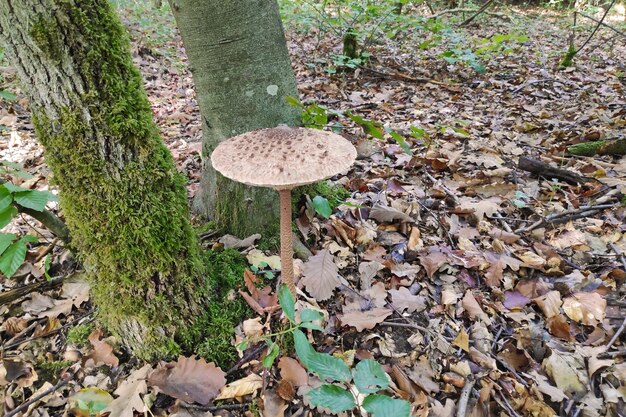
(124, 202)
(242, 73)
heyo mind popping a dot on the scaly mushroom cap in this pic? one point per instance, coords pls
(283, 157)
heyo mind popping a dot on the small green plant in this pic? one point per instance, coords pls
(344, 388)
(79, 335)
(12, 247)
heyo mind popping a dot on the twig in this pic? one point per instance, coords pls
(467, 10)
(603, 24)
(596, 28)
(619, 254)
(409, 325)
(507, 405)
(461, 411)
(247, 357)
(11, 344)
(566, 216)
(397, 75)
(227, 407)
(434, 216)
(616, 335)
(614, 354)
(531, 82)
(12, 295)
(482, 9)
(66, 379)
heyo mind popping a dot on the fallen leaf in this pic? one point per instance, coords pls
(471, 306)
(241, 387)
(130, 394)
(383, 214)
(260, 260)
(320, 275)
(292, 371)
(567, 370)
(549, 303)
(273, 405)
(585, 307)
(189, 379)
(556, 394)
(102, 352)
(362, 320)
(423, 375)
(402, 299)
(230, 241)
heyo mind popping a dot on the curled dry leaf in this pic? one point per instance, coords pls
(189, 379)
(549, 303)
(543, 385)
(473, 309)
(567, 370)
(367, 319)
(130, 395)
(241, 387)
(585, 307)
(320, 275)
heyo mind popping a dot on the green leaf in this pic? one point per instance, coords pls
(14, 188)
(6, 198)
(272, 353)
(308, 319)
(370, 377)
(384, 406)
(32, 199)
(7, 95)
(287, 302)
(6, 215)
(5, 240)
(89, 401)
(12, 258)
(400, 140)
(324, 365)
(332, 397)
(322, 206)
(292, 101)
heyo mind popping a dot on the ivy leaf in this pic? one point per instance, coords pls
(287, 302)
(332, 397)
(12, 258)
(325, 366)
(384, 406)
(322, 206)
(6, 215)
(370, 377)
(5, 240)
(32, 199)
(5, 198)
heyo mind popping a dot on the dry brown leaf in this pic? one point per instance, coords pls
(273, 405)
(462, 340)
(77, 292)
(549, 303)
(14, 325)
(439, 410)
(383, 214)
(471, 306)
(189, 379)
(543, 385)
(499, 262)
(367, 271)
(241, 387)
(22, 373)
(130, 394)
(423, 375)
(320, 275)
(402, 299)
(362, 320)
(531, 259)
(432, 259)
(585, 307)
(102, 353)
(252, 327)
(292, 371)
(567, 370)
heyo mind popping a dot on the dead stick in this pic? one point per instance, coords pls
(596, 28)
(618, 253)
(33, 400)
(542, 169)
(465, 396)
(482, 9)
(12, 295)
(603, 24)
(616, 335)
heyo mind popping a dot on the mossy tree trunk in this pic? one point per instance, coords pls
(242, 74)
(124, 202)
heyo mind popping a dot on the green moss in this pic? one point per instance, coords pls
(50, 370)
(212, 334)
(78, 335)
(568, 58)
(124, 202)
(335, 194)
(47, 37)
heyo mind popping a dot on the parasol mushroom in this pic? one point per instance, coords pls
(283, 158)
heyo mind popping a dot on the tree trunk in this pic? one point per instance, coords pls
(242, 74)
(124, 202)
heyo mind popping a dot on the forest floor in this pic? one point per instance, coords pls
(482, 288)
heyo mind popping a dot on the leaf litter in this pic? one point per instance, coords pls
(450, 266)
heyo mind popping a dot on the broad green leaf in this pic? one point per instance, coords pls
(6, 198)
(272, 353)
(7, 95)
(332, 397)
(400, 140)
(292, 101)
(310, 315)
(12, 258)
(328, 367)
(304, 350)
(5, 240)
(370, 377)
(322, 206)
(29, 238)
(6, 215)
(89, 401)
(32, 199)
(384, 406)
(14, 188)
(12, 165)
(312, 326)
(287, 302)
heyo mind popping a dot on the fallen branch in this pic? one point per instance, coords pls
(542, 169)
(606, 25)
(600, 147)
(404, 77)
(466, 10)
(461, 410)
(616, 335)
(566, 216)
(619, 254)
(64, 381)
(12, 295)
(482, 9)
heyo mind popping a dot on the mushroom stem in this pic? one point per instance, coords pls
(286, 245)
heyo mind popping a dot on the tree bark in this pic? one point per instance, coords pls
(124, 202)
(242, 74)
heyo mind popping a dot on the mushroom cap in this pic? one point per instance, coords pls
(283, 157)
